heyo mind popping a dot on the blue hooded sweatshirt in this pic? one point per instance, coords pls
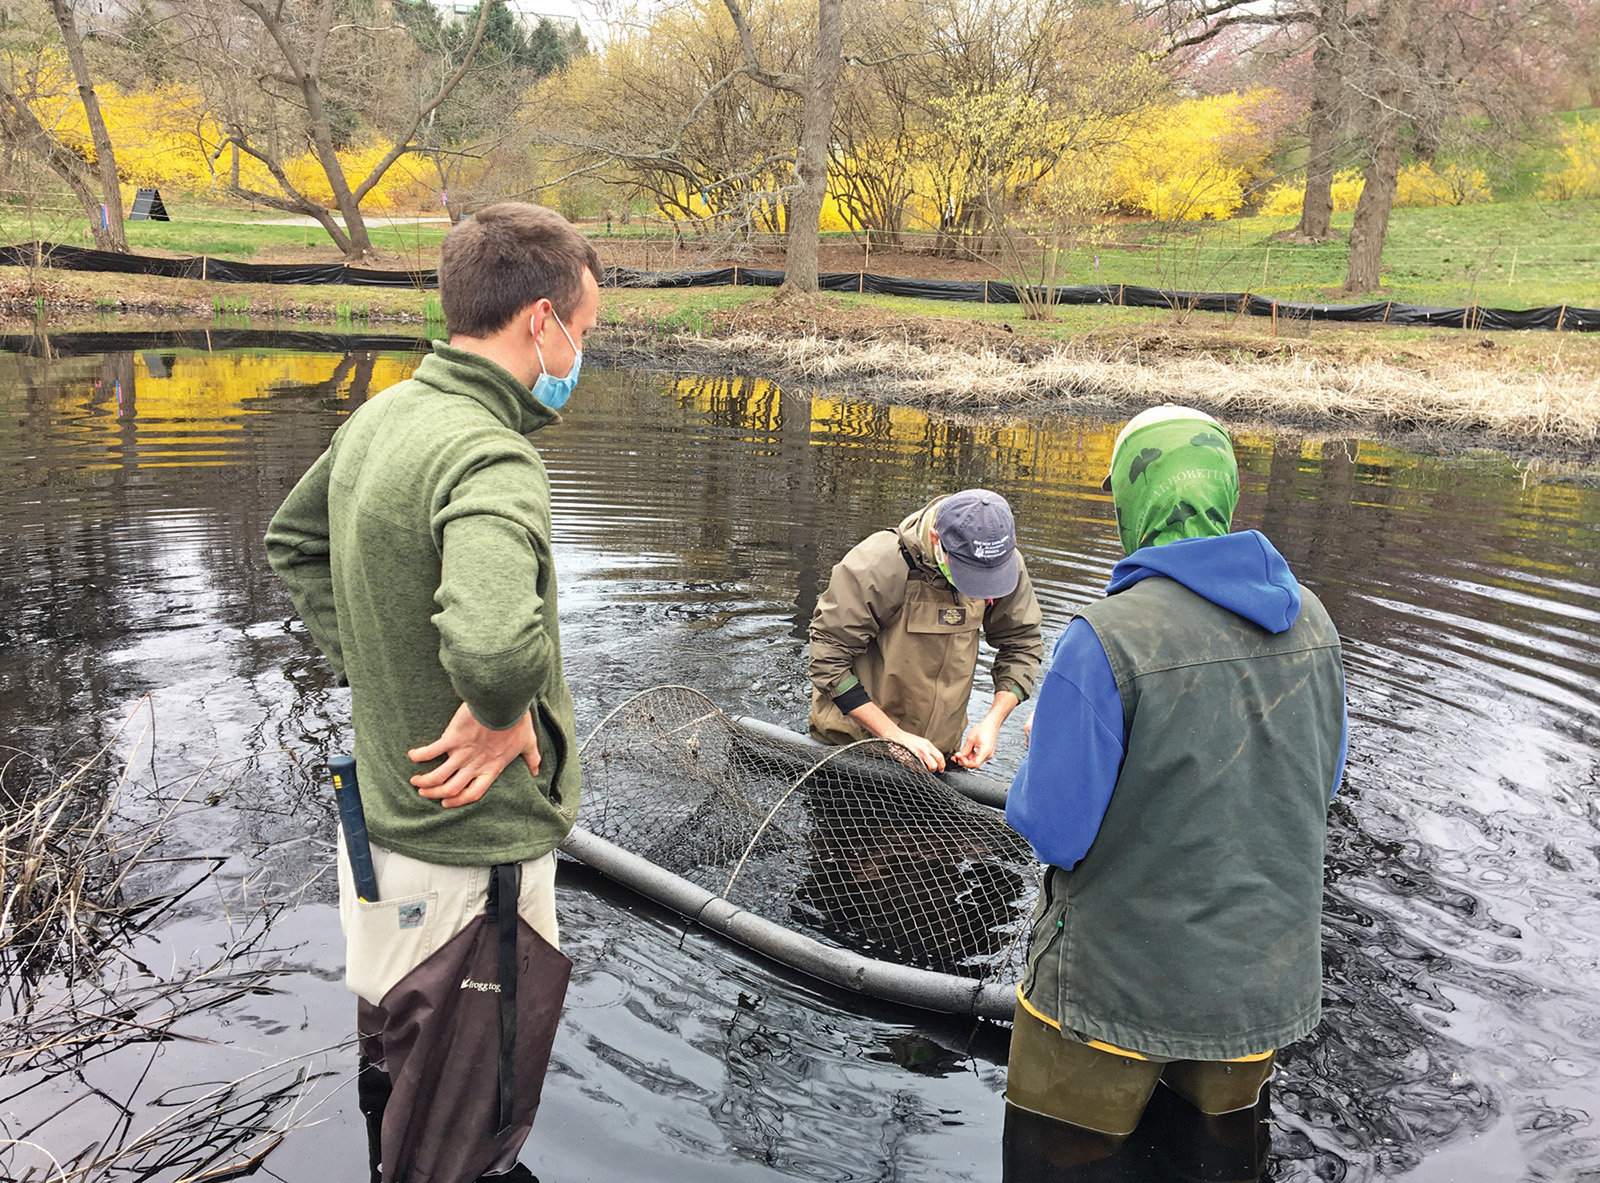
(1060, 794)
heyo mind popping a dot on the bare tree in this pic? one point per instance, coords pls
(111, 230)
(669, 112)
(881, 126)
(280, 81)
(477, 141)
(1387, 115)
(1426, 73)
(21, 128)
(30, 83)
(816, 89)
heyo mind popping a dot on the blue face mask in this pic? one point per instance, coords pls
(554, 392)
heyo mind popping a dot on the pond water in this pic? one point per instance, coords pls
(696, 519)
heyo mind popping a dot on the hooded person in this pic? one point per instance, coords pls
(894, 638)
(1184, 748)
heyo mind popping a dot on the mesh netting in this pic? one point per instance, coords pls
(849, 845)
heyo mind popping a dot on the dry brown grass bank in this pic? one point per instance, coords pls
(1531, 392)
(1561, 405)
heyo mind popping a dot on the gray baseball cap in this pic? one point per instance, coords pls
(979, 538)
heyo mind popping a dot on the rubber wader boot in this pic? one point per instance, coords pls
(372, 1096)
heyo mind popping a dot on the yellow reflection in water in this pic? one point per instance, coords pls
(188, 408)
(1070, 452)
(215, 387)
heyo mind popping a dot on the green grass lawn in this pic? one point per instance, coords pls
(693, 310)
(670, 311)
(230, 232)
(1506, 254)
(1515, 254)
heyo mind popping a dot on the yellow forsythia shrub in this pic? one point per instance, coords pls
(1580, 177)
(163, 138)
(1451, 184)
(1284, 201)
(1347, 187)
(1288, 198)
(1191, 160)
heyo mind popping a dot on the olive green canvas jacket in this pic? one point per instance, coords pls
(1192, 927)
(891, 621)
(417, 551)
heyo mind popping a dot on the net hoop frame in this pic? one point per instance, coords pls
(791, 790)
(884, 980)
(873, 977)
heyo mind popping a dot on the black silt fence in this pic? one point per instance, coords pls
(973, 291)
(211, 340)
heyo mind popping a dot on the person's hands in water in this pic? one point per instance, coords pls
(474, 755)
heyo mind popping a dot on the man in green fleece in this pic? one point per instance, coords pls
(417, 551)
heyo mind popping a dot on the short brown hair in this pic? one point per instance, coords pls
(506, 257)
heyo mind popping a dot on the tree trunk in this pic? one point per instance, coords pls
(804, 220)
(110, 236)
(1316, 212)
(1371, 224)
(356, 245)
(19, 125)
(1372, 213)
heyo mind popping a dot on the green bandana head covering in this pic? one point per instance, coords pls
(1173, 476)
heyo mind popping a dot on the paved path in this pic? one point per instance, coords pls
(373, 221)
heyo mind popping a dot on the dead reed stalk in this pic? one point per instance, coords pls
(1561, 406)
(72, 992)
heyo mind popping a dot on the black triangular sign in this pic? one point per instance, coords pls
(147, 204)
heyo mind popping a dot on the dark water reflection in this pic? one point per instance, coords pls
(695, 522)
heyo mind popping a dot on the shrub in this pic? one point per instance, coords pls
(1580, 178)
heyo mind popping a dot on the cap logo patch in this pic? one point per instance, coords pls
(995, 549)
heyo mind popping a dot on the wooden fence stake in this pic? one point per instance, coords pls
(1274, 320)
(1561, 319)
(986, 293)
(202, 267)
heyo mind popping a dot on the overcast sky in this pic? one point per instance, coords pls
(532, 10)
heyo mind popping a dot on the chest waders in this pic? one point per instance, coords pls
(453, 1061)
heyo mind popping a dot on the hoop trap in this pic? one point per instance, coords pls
(851, 864)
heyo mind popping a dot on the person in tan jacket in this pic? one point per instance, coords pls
(894, 639)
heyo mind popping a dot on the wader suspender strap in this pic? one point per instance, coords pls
(911, 563)
(503, 892)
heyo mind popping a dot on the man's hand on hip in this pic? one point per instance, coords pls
(474, 755)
